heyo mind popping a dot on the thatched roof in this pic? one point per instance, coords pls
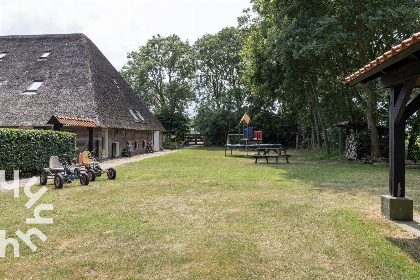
(78, 81)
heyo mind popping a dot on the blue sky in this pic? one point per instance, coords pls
(120, 26)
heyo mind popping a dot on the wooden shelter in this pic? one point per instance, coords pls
(64, 82)
(399, 70)
(358, 140)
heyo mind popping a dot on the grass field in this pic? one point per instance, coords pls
(196, 214)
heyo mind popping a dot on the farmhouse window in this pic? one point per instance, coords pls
(115, 82)
(33, 88)
(141, 117)
(45, 55)
(134, 115)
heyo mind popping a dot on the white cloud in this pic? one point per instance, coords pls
(118, 27)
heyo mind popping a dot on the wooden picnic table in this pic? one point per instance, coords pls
(276, 152)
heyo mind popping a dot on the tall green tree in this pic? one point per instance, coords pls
(220, 89)
(372, 28)
(316, 43)
(162, 73)
(219, 63)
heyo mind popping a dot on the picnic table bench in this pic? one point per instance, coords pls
(265, 153)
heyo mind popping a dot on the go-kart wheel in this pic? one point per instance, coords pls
(112, 173)
(77, 171)
(43, 178)
(91, 175)
(58, 181)
(84, 180)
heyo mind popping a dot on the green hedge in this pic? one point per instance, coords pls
(29, 150)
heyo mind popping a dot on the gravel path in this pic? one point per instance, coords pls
(115, 162)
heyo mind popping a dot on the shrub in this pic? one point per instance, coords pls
(30, 150)
(150, 148)
(127, 150)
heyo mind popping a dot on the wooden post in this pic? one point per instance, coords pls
(58, 126)
(397, 159)
(90, 139)
(399, 96)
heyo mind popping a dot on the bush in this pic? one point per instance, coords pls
(127, 151)
(150, 148)
(216, 123)
(30, 150)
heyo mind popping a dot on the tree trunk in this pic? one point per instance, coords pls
(350, 106)
(318, 135)
(371, 104)
(317, 110)
(372, 121)
(340, 131)
(325, 132)
(314, 128)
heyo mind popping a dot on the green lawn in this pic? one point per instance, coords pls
(196, 214)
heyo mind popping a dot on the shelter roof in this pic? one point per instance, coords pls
(71, 121)
(78, 81)
(358, 125)
(403, 53)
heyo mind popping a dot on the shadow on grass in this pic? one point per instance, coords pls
(407, 245)
(334, 174)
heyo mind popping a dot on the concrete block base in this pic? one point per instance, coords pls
(397, 208)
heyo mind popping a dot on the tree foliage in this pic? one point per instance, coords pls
(283, 65)
(161, 73)
(219, 64)
(298, 51)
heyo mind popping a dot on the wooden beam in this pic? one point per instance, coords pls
(396, 147)
(400, 75)
(412, 107)
(400, 96)
(397, 159)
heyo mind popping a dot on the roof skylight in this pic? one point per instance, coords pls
(141, 117)
(134, 115)
(115, 82)
(3, 54)
(33, 88)
(45, 55)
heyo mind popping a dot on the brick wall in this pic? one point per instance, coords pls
(121, 136)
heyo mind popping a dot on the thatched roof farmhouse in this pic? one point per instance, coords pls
(64, 82)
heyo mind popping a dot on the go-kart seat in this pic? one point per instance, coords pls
(55, 164)
(85, 158)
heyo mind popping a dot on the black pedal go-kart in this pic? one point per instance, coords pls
(61, 174)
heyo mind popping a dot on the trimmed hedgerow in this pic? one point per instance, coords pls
(30, 150)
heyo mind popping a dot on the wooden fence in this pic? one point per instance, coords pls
(193, 139)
